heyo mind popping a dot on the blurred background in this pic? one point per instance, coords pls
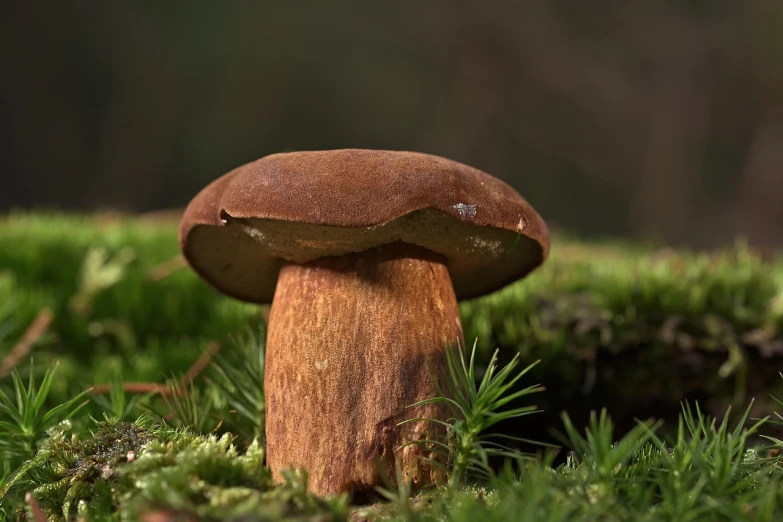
(659, 120)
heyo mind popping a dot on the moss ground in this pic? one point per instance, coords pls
(629, 328)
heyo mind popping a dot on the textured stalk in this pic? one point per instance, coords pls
(350, 345)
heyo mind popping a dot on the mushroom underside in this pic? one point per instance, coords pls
(242, 256)
(353, 341)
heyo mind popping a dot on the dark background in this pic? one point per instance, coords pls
(652, 119)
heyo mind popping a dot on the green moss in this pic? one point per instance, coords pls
(615, 325)
(82, 470)
(125, 470)
(68, 469)
(638, 330)
(96, 278)
(208, 477)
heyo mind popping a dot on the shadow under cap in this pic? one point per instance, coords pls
(301, 206)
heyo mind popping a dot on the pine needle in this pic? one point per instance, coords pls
(38, 513)
(164, 389)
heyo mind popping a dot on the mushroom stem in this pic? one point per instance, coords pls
(351, 343)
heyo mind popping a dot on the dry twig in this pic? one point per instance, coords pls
(165, 269)
(33, 333)
(38, 513)
(152, 387)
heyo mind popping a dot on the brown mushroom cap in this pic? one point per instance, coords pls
(301, 206)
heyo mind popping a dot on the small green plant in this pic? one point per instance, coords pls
(187, 406)
(233, 399)
(397, 494)
(116, 404)
(476, 408)
(25, 421)
(598, 445)
(710, 461)
(238, 374)
(98, 273)
(778, 418)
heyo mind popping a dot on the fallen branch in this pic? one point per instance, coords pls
(152, 387)
(163, 515)
(33, 333)
(166, 268)
(202, 362)
(133, 387)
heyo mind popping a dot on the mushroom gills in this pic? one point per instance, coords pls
(351, 342)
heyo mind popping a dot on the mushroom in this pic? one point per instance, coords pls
(362, 255)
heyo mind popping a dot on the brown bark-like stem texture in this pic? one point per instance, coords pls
(352, 341)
